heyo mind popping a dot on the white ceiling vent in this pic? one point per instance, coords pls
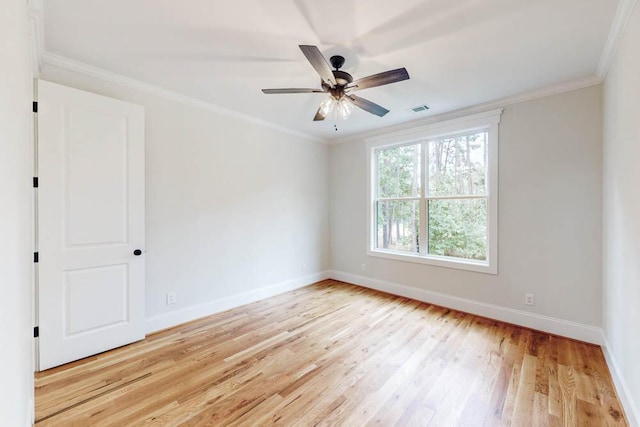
(420, 108)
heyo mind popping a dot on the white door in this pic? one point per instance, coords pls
(90, 223)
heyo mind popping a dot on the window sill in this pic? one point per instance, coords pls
(439, 261)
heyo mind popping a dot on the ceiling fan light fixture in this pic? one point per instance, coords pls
(327, 106)
(344, 108)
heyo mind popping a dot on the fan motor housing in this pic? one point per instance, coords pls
(342, 78)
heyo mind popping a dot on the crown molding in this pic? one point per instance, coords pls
(472, 121)
(36, 16)
(48, 58)
(479, 108)
(56, 60)
(618, 27)
(41, 57)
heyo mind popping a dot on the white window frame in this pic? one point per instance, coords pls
(487, 121)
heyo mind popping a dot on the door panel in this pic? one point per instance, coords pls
(95, 298)
(96, 168)
(90, 220)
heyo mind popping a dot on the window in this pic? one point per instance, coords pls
(433, 194)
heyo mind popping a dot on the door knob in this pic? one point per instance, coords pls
(137, 252)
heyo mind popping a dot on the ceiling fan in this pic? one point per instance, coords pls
(340, 85)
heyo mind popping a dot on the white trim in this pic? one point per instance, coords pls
(37, 34)
(552, 325)
(436, 129)
(631, 408)
(487, 121)
(80, 67)
(193, 312)
(438, 261)
(618, 27)
(45, 57)
(479, 108)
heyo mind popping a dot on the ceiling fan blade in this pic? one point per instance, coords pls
(319, 116)
(368, 106)
(292, 90)
(380, 79)
(319, 63)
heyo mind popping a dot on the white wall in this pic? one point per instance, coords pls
(16, 370)
(231, 206)
(621, 275)
(549, 214)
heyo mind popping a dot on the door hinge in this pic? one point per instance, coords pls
(36, 257)
(36, 332)
(35, 182)
(35, 106)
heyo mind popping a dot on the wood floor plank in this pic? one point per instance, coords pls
(567, 381)
(336, 354)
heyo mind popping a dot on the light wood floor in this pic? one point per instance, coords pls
(336, 354)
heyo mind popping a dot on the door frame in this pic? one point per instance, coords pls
(36, 282)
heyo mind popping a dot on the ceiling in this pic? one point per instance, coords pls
(458, 53)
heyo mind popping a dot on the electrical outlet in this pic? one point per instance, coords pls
(171, 298)
(363, 267)
(303, 268)
(529, 299)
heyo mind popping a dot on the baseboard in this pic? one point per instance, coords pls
(193, 312)
(31, 413)
(631, 407)
(565, 328)
(548, 324)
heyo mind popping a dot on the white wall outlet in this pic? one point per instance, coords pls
(171, 298)
(303, 268)
(529, 299)
(363, 267)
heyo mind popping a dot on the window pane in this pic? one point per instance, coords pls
(457, 166)
(398, 224)
(458, 228)
(399, 171)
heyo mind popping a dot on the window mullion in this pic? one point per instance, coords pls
(424, 162)
(394, 199)
(460, 197)
(450, 205)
